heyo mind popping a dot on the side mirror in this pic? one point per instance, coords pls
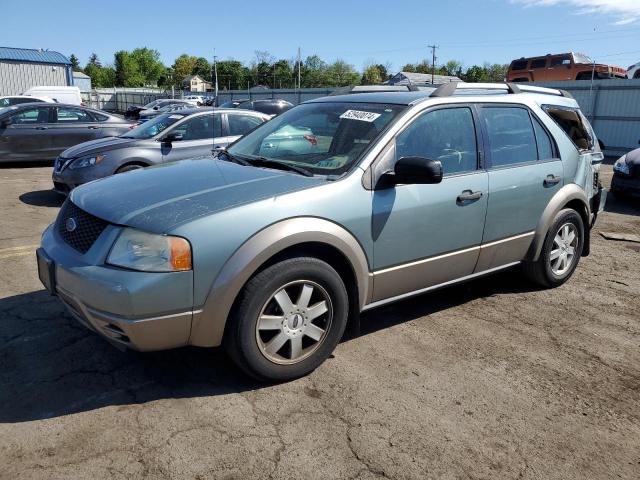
(417, 170)
(5, 123)
(173, 137)
(156, 107)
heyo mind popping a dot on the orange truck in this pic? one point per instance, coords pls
(562, 66)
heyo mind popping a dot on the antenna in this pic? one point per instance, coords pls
(213, 106)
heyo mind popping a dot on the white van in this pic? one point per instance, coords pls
(70, 95)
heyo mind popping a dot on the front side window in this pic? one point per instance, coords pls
(559, 61)
(511, 137)
(31, 116)
(73, 115)
(200, 128)
(519, 65)
(448, 135)
(241, 124)
(324, 138)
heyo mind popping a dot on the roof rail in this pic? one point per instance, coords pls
(450, 89)
(376, 89)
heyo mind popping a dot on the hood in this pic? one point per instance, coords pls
(159, 198)
(633, 157)
(97, 146)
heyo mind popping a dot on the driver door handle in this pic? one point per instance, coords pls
(551, 180)
(468, 196)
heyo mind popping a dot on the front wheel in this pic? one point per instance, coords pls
(561, 251)
(288, 320)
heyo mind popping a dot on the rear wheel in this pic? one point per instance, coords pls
(288, 320)
(561, 251)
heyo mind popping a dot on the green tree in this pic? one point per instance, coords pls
(496, 72)
(148, 64)
(182, 67)
(232, 75)
(341, 74)
(453, 68)
(128, 72)
(314, 72)
(94, 60)
(75, 63)
(409, 67)
(202, 68)
(282, 74)
(371, 76)
(475, 74)
(101, 77)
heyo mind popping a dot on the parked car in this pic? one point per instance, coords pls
(18, 99)
(166, 138)
(40, 131)
(134, 111)
(270, 107)
(233, 103)
(172, 107)
(563, 66)
(270, 255)
(626, 175)
(67, 95)
(634, 71)
(195, 100)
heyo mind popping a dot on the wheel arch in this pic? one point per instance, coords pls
(569, 196)
(302, 236)
(133, 161)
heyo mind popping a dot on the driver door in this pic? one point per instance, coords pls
(425, 235)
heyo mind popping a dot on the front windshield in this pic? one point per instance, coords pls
(153, 127)
(581, 58)
(323, 138)
(152, 104)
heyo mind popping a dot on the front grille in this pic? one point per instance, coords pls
(87, 227)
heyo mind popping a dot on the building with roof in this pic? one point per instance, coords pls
(195, 83)
(23, 68)
(411, 78)
(82, 81)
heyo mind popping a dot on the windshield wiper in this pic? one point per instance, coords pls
(280, 165)
(234, 159)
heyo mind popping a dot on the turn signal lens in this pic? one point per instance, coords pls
(180, 253)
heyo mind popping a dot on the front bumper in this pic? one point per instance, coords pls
(139, 310)
(66, 179)
(625, 184)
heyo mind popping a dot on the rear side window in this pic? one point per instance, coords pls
(241, 124)
(511, 137)
(519, 65)
(200, 128)
(73, 115)
(539, 63)
(448, 135)
(571, 122)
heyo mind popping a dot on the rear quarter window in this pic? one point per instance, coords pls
(571, 122)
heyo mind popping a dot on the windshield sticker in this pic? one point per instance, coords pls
(178, 117)
(358, 115)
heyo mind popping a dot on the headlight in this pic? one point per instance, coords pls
(621, 165)
(86, 161)
(148, 252)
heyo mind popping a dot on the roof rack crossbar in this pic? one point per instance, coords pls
(449, 89)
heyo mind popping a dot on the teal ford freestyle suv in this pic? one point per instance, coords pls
(374, 197)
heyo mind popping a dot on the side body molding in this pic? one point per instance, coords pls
(208, 325)
(563, 196)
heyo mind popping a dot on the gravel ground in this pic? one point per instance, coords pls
(491, 379)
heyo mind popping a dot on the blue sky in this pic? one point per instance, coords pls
(358, 31)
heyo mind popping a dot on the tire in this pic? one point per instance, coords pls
(309, 336)
(128, 168)
(548, 271)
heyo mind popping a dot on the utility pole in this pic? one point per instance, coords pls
(433, 61)
(299, 61)
(215, 73)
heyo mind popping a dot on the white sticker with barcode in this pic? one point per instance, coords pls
(360, 115)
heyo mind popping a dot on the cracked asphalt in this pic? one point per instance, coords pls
(491, 379)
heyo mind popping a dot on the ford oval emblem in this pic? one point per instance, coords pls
(70, 224)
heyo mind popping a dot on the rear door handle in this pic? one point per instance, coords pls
(468, 196)
(93, 128)
(42, 128)
(551, 180)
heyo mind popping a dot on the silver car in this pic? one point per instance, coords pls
(172, 136)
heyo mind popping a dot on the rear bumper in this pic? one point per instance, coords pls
(626, 185)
